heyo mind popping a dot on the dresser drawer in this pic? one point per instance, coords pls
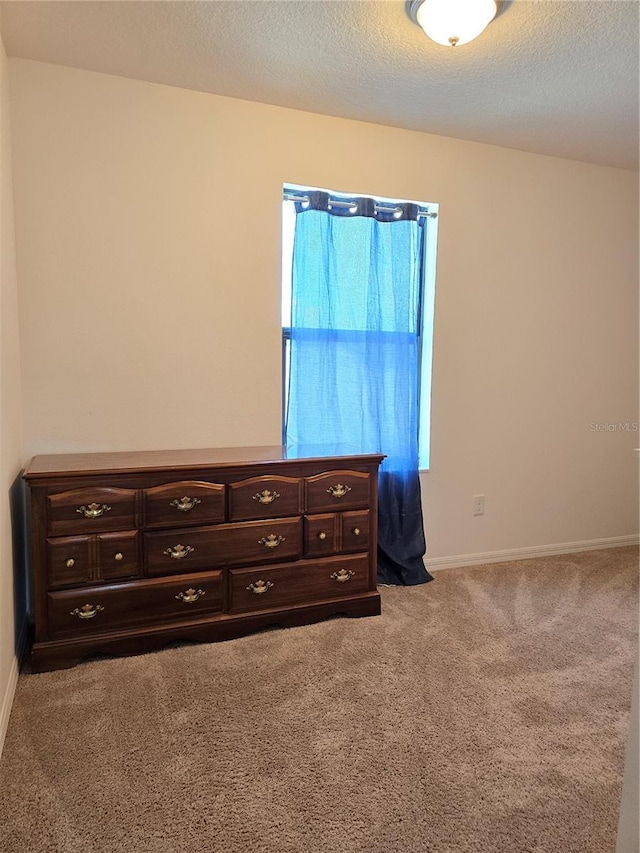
(336, 490)
(173, 551)
(86, 559)
(117, 555)
(321, 534)
(287, 585)
(91, 510)
(69, 560)
(355, 531)
(98, 609)
(265, 497)
(188, 502)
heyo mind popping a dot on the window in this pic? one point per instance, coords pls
(352, 323)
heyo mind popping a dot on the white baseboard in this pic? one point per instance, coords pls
(438, 563)
(10, 688)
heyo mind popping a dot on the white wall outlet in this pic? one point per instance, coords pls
(478, 504)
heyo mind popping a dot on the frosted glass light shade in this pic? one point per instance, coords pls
(454, 22)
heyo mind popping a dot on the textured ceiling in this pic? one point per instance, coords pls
(556, 77)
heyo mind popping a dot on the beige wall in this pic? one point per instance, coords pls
(10, 415)
(148, 227)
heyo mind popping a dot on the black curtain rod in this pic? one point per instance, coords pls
(379, 208)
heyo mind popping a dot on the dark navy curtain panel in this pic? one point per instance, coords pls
(354, 357)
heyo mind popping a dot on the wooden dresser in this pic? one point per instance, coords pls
(130, 551)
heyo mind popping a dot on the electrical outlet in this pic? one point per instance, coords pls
(478, 504)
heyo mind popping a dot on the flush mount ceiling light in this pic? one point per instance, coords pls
(453, 22)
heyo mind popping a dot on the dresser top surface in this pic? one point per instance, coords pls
(155, 460)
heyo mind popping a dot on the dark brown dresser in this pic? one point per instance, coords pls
(130, 551)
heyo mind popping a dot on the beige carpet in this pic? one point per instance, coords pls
(486, 711)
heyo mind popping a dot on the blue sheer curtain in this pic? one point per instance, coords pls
(354, 357)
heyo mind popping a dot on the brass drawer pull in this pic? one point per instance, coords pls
(356, 531)
(87, 611)
(338, 491)
(185, 504)
(260, 587)
(266, 497)
(271, 541)
(70, 563)
(343, 575)
(179, 551)
(118, 557)
(93, 510)
(322, 535)
(190, 595)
